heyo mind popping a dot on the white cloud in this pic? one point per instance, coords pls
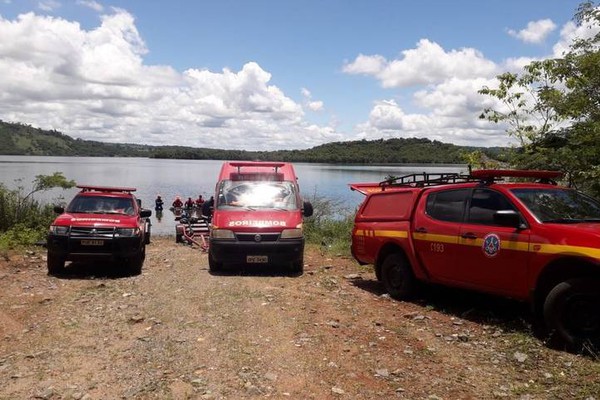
(442, 86)
(571, 31)
(388, 120)
(428, 63)
(312, 105)
(48, 5)
(536, 31)
(94, 5)
(95, 85)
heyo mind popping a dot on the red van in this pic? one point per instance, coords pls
(257, 217)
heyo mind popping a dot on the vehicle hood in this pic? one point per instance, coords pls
(96, 220)
(251, 220)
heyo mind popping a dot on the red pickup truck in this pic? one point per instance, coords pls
(533, 241)
(100, 223)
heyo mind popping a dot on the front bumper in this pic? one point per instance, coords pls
(82, 249)
(281, 252)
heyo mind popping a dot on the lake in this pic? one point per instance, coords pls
(190, 178)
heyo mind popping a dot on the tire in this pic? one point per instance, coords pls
(214, 266)
(178, 238)
(56, 265)
(571, 313)
(397, 277)
(136, 262)
(298, 266)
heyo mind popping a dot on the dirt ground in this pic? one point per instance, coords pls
(178, 332)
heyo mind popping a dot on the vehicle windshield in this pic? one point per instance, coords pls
(559, 205)
(101, 205)
(257, 194)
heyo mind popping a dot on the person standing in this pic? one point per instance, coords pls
(158, 203)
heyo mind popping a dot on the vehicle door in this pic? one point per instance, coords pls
(492, 257)
(436, 230)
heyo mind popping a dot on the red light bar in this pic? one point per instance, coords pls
(88, 188)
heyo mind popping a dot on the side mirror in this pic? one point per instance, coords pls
(508, 218)
(59, 209)
(307, 209)
(145, 213)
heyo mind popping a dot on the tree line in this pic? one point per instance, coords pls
(20, 139)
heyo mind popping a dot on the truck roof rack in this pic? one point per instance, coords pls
(261, 164)
(427, 179)
(485, 176)
(89, 188)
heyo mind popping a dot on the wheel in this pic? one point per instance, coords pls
(178, 238)
(137, 261)
(298, 266)
(214, 266)
(397, 277)
(571, 313)
(56, 264)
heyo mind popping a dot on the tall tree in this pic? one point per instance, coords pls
(553, 109)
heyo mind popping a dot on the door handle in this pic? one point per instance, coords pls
(421, 230)
(468, 235)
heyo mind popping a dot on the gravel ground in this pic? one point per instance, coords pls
(178, 332)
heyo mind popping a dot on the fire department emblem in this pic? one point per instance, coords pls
(491, 245)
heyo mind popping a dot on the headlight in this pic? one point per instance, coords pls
(59, 230)
(127, 232)
(222, 234)
(291, 233)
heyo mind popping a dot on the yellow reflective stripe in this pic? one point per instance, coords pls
(563, 249)
(392, 234)
(435, 238)
(381, 233)
(505, 244)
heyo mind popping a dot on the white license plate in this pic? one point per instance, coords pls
(92, 242)
(257, 259)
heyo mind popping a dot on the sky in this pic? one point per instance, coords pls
(269, 74)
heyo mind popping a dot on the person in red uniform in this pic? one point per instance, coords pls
(177, 203)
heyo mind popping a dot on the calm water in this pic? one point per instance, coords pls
(188, 178)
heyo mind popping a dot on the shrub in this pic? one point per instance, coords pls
(330, 226)
(23, 220)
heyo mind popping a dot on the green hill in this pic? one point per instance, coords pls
(20, 139)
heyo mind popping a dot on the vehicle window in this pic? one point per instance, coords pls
(484, 203)
(447, 205)
(559, 205)
(257, 194)
(101, 205)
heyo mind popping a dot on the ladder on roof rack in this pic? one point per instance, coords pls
(485, 176)
(427, 179)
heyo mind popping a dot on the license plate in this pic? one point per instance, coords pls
(257, 259)
(92, 242)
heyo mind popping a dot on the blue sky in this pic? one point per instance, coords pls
(268, 74)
